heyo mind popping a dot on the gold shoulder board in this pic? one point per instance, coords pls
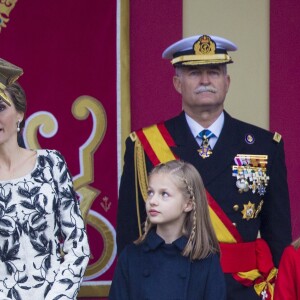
(133, 136)
(277, 137)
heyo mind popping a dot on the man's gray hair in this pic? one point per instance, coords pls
(178, 69)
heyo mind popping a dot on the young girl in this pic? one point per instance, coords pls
(177, 256)
(287, 286)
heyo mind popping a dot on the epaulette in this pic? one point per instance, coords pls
(277, 137)
(133, 136)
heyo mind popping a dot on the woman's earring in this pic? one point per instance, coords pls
(18, 126)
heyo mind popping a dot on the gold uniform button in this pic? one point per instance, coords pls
(235, 207)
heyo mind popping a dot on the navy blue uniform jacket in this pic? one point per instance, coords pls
(273, 222)
(154, 270)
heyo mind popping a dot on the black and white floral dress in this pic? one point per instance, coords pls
(44, 248)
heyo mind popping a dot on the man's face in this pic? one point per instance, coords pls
(202, 87)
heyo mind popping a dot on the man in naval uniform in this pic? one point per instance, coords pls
(242, 166)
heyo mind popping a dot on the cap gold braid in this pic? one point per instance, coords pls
(201, 59)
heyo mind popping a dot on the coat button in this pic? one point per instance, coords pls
(235, 207)
(146, 273)
(234, 224)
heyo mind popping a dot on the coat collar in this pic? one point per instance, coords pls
(154, 241)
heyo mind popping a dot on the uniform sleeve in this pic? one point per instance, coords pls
(285, 285)
(215, 286)
(119, 289)
(71, 227)
(127, 221)
(276, 217)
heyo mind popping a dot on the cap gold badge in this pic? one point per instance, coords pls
(204, 46)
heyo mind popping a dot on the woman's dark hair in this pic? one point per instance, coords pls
(18, 98)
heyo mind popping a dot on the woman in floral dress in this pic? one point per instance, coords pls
(44, 248)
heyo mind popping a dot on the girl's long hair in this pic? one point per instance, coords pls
(197, 226)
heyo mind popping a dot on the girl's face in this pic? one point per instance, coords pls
(8, 122)
(166, 206)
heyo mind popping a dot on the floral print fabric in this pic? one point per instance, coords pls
(43, 243)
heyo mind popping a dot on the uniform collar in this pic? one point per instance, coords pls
(215, 128)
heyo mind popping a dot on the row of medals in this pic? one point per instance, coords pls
(250, 173)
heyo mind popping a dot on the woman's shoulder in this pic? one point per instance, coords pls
(51, 157)
(48, 152)
(53, 153)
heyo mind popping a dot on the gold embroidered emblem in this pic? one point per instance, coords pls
(6, 6)
(204, 46)
(106, 203)
(249, 211)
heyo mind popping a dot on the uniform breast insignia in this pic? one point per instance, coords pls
(250, 212)
(249, 138)
(250, 172)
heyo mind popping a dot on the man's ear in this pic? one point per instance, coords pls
(227, 82)
(177, 83)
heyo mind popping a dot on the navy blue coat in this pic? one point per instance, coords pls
(154, 270)
(273, 221)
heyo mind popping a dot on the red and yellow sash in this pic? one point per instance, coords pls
(249, 262)
(156, 141)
